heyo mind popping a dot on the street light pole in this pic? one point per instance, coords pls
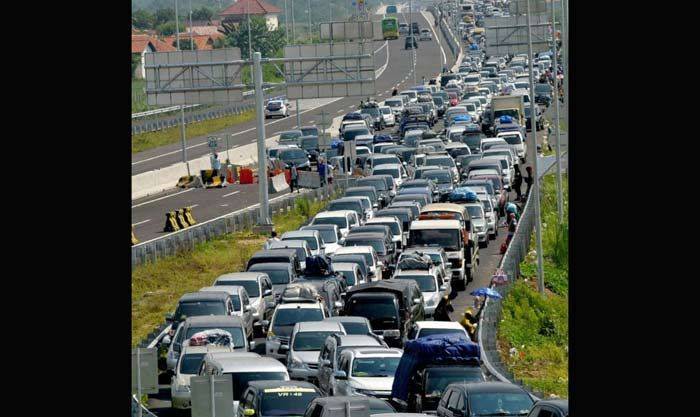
(308, 13)
(535, 198)
(410, 31)
(182, 108)
(560, 190)
(286, 21)
(264, 217)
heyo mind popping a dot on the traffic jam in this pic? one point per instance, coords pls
(351, 311)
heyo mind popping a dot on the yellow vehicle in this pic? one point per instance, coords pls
(390, 28)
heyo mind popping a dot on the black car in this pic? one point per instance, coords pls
(440, 105)
(310, 145)
(484, 398)
(428, 383)
(276, 398)
(543, 94)
(415, 28)
(410, 43)
(550, 408)
(376, 115)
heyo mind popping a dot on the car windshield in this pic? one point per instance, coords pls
(472, 139)
(441, 177)
(385, 110)
(189, 364)
(438, 101)
(512, 139)
(543, 88)
(430, 332)
(310, 240)
(443, 161)
(372, 111)
(378, 183)
(447, 239)
(309, 131)
(289, 154)
(351, 134)
(426, 283)
(241, 379)
(499, 403)
(375, 367)
(378, 245)
(285, 402)
(394, 103)
(374, 308)
(395, 228)
(277, 276)
(475, 212)
(328, 236)
(341, 222)
(436, 258)
(289, 135)
(394, 172)
(309, 143)
(356, 328)
(345, 205)
(310, 341)
(291, 316)
(251, 286)
(236, 333)
(274, 105)
(201, 308)
(437, 379)
(349, 276)
(236, 300)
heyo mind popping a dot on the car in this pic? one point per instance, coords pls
(201, 304)
(516, 140)
(478, 218)
(414, 205)
(353, 324)
(344, 219)
(550, 408)
(484, 398)
(376, 115)
(280, 274)
(353, 258)
(305, 344)
(411, 94)
(539, 119)
(259, 289)
(301, 248)
(241, 304)
(491, 215)
(431, 283)
(299, 157)
(310, 131)
(403, 28)
(284, 319)
(330, 236)
(396, 105)
(543, 94)
(397, 171)
(290, 137)
(351, 272)
(367, 371)
(276, 398)
(429, 328)
(311, 237)
(437, 255)
(365, 191)
(243, 370)
(353, 204)
(368, 252)
(187, 366)
(192, 325)
(388, 116)
(384, 191)
(383, 247)
(288, 256)
(329, 357)
(425, 35)
(276, 108)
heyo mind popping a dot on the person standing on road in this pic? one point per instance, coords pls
(469, 323)
(528, 180)
(294, 176)
(273, 238)
(329, 173)
(512, 209)
(512, 225)
(394, 92)
(322, 171)
(215, 164)
(518, 182)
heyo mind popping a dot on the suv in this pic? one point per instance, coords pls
(431, 283)
(392, 307)
(305, 345)
(276, 108)
(429, 328)
(486, 398)
(330, 354)
(425, 35)
(283, 321)
(383, 247)
(187, 366)
(201, 304)
(367, 371)
(276, 398)
(241, 304)
(259, 288)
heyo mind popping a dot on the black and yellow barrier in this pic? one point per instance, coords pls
(183, 182)
(180, 216)
(188, 216)
(133, 237)
(171, 222)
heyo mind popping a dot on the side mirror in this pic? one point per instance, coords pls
(340, 375)
(416, 300)
(170, 317)
(284, 349)
(166, 340)
(252, 345)
(443, 287)
(338, 304)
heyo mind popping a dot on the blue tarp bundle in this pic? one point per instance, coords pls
(382, 138)
(463, 194)
(506, 119)
(431, 350)
(335, 143)
(462, 118)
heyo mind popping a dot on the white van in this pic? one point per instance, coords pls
(515, 139)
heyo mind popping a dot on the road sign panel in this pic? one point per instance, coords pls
(148, 359)
(202, 396)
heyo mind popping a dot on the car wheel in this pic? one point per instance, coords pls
(492, 236)
(484, 244)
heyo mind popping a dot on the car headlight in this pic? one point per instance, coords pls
(479, 228)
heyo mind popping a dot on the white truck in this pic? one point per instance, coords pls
(511, 105)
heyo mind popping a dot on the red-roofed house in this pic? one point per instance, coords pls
(202, 42)
(238, 12)
(140, 45)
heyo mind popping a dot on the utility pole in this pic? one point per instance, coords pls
(182, 108)
(294, 37)
(536, 183)
(286, 21)
(560, 190)
(413, 36)
(264, 218)
(308, 13)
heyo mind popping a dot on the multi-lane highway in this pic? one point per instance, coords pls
(148, 214)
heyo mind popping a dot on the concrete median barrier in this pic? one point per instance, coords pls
(308, 179)
(278, 183)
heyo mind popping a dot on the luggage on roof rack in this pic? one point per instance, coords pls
(463, 194)
(415, 260)
(300, 293)
(211, 337)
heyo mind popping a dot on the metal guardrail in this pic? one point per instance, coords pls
(160, 111)
(510, 264)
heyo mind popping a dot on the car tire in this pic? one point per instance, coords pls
(492, 236)
(484, 245)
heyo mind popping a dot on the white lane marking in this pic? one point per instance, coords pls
(387, 91)
(235, 192)
(352, 106)
(340, 111)
(194, 205)
(313, 121)
(162, 198)
(233, 134)
(145, 221)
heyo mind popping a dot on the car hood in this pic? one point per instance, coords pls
(284, 331)
(374, 384)
(307, 357)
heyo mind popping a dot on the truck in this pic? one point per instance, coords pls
(510, 105)
(428, 365)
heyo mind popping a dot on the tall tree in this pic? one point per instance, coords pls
(142, 19)
(265, 41)
(164, 15)
(203, 14)
(166, 29)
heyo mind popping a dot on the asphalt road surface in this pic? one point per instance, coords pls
(148, 213)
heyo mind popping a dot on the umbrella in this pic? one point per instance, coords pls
(486, 292)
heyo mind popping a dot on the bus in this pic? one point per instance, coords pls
(391, 9)
(390, 28)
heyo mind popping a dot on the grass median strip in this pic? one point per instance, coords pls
(533, 334)
(157, 287)
(145, 141)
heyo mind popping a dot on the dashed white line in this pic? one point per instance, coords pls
(340, 111)
(145, 221)
(235, 192)
(161, 198)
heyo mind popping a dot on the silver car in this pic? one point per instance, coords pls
(259, 288)
(305, 345)
(241, 304)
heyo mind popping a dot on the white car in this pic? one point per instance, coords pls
(425, 35)
(429, 328)
(478, 219)
(283, 320)
(411, 94)
(396, 106)
(397, 171)
(188, 366)
(305, 345)
(516, 140)
(490, 213)
(397, 235)
(367, 371)
(370, 256)
(344, 219)
(431, 284)
(330, 236)
(276, 108)
(388, 116)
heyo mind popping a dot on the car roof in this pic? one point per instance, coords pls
(231, 289)
(274, 266)
(334, 213)
(561, 404)
(386, 166)
(198, 321)
(490, 386)
(456, 208)
(204, 296)
(286, 244)
(347, 319)
(319, 227)
(204, 349)
(365, 352)
(299, 233)
(439, 325)
(357, 340)
(291, 131)
(242, 276)
(433, 224)
(344, 250)
(289, 306)
(290, 385)
(366, 236)
(240, 364)
(317, 326)
(344, 266)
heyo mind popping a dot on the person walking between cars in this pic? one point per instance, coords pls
(394, 92)
(294, 177)
(518, 182)
(442, 310)
(273, 238)
(469, 323)
(528, 180)
(322, 171)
